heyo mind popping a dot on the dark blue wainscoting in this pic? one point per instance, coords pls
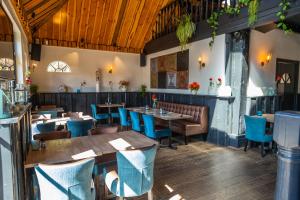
(220, 108)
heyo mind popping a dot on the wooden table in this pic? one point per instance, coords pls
(269, 117)
(109, 107)
(95, 146)
(166, 115)
(61, 121)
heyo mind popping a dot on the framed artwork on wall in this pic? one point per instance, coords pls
(170, 71)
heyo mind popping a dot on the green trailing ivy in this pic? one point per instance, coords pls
(253, 6)
(284, 6)
(185, 30)
(213, 20)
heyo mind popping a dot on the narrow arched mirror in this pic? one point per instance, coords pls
(7, 64)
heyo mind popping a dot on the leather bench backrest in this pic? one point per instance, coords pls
(198, 113)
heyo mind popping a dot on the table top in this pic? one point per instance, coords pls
(106, 105)
(63, 120)
(168, 116)
(95, 146)
(269, 117)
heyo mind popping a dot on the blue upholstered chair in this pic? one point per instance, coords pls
(135, 173)
(256, 131)
(51, 112)
(79, 127)
(124, 122)
(98, 116)
(114, 114)
(46, 127)
(153, 133)
(135, 122)
(66, 181)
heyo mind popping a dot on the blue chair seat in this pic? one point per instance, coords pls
(153, 133)
(101, 116)
(79, 127)
(46, 127)
(114, 115)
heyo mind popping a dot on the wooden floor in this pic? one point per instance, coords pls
(204, 171)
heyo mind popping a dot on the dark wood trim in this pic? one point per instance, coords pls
(266, 14)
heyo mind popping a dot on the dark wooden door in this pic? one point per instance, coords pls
(288, 71)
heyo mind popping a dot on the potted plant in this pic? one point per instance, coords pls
(123, 85)
(143, 90)
(194, 87)
(211, 87)
(185, 30)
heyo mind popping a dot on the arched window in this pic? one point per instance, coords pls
(6, 64)
(58, 66)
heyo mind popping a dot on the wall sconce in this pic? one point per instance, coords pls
(34, 65)
(201, 63)
(268, 59)
(110, 70)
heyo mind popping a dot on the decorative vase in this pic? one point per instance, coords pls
(123, 88)
(154, 105)
(194, 92)
(212, 90)
(97, 86)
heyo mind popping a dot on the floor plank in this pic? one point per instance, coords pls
(202, 171)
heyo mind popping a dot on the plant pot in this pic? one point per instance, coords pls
(194, 92)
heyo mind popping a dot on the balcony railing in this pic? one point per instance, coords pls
(200, 10)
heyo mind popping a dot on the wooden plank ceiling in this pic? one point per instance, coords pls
(114, 25)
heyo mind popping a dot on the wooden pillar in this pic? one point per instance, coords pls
(237, 75)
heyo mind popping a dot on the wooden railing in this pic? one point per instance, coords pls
(200, 10)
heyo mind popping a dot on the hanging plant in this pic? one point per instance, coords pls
(185, 30)
(213, 22)
(284, 6)
(252, 11)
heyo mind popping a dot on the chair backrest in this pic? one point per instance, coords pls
(66, 181)
(79, 127)
(255, 127)
(149, 126)
(53, 135)
(135, 170)
(94, 110)
(103, 130)
(135, 120)
(123, 116)
(46, 127)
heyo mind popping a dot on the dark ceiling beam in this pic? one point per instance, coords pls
(28, 12)
(47, 16)
(119, 22)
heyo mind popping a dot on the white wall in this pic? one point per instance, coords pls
(277, 43)
(20, 41)
(84, 64)
(214, 59)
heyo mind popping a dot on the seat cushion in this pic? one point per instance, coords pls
(187, 128)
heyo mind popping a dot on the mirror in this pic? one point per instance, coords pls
(7, 64)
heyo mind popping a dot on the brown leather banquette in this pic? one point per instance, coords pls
(196, 125)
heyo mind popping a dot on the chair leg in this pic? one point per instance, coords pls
(170, 141)
(185, 140)
(262, 149)
(150, 195)
(246, 145)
